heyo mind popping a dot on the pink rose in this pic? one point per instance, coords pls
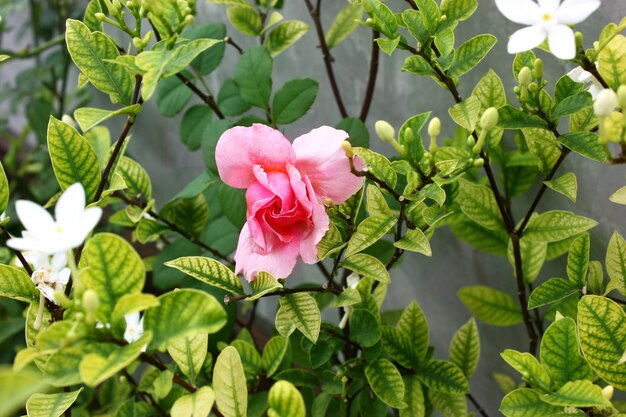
(286, 185)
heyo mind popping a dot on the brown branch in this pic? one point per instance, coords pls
(479, 408)
(371, 80)
(207, 98)
(232, 43)
(328, 59)
(521, 293)
(19, 254)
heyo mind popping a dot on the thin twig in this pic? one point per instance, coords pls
(27, 52)
(371, 78)
(286, 291)
(207, 98)
(479, 408)
(232, 43)
(19, 254)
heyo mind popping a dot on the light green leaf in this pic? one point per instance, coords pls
(578, 260)
(95, 369)
(571, 104)
(17, 387)
(92, 52)
(443, 376)
(345, 22)
(413, 328)
(376, 203)
(189, 354)
(566, 185)
(383, 17)
(182, 313)
(529, 367)
(4, 190)
(490, 305)
(551, 291)
(526, 402)
(479, 204)
(449, 405)
(413, 397)
(368, 232)
(229, 383)
(430, 13)
(16, 284)
(556, 225)
(465, 113)
(619, 196)
(273, 354)
(458, 10)
(368, 266)
(470, 53)
(50, 405)
(209, 271)
(135, 177)
(172, 96)
(542, 143)
(198, 404)
(73, 159)
(263, 283)
(386, 382)
(63, 366)
(465, 348)
(578, 394)
(253, 76)
(246, 20)
(250, 358)
(111, 267)
(612, 62)
(560, 355)
(616, 263)
(293, 100)
(302, 310)
(490, 91)
(378, 165)
(585, 144)
(89, 117)
(132, 303)
(417, 65)
(512, 118)
(596, 276)
(284, 35)
(415, 241)
(189, 214)
(484, 239)
(533, 256)
(285, 400)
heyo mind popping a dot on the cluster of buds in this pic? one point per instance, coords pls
(530, 82)
(612, 125)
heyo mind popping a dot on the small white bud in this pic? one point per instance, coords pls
(434, 127)
(525, 77)
(607, 392)
(385, 131)
(605, 103)
(489, 119)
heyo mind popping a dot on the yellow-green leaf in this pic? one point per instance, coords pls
(465, 113)
(386, 382)
(89, 117)
(4, 190)
(465, 348)
(526, 402)
(50, 405)
(209, 271)
(285, 400)
(345, 22)
(16, 284)
(479, 204)
(198, 404)
(301, 309)
(263, 283)
(566, 185)
(368, 266)
(616, 263)
(368, 232)
(229, 383)
(529, 367)
(491, 306)
(415, 241)
(284, 35)
(612, 62)
(556, 225)
(578, 394)
(189, 353)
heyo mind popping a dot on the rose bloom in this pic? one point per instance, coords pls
(286, 187)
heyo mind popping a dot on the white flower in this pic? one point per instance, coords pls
(581, 76)
(605, 103)
(134, 327)
(352, 281)
(44, 234)
(49, 276)
(547, 18)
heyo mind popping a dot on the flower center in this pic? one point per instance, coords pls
(547, 17)
(59, 230)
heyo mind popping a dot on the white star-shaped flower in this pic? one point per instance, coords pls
(547, 18)
(50, 276)
(581, 76)
(45, 234)
(134, 327)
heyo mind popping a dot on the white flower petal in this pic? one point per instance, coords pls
(35, 218)
(575, 11)
(63, 276)
(59, 261)
(562, 42)
(549, 4)
(526, 39)
(28, 244)
(71, 204)
(132, 320)
(524, 12)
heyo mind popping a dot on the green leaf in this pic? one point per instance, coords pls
(417, 65)
(182, 313)
(137, 180)
(413, 397)
(612, 62)
(450, 405)
(16, 284)
(230, 100)
(264, 283)
(415, 24)
(172, 96)
(367, 266)
(542, 143)
(198, 404)
(512, 118)
(443, 376)
(415, 241)
(526, 402)
(470, 53)
(465, 113)
(302, 311)
(490, 305)
(194, 124)
(602, 333)
(364, 328)
(89, 117)
(566, 185)
(253, 76)
(585, 144)
(233, 204)
(386, 382)
(484, 239)
(490, 91)
(616, 262)
(430, 13)
(378, 165)
(556, 225)
(533, 256)
(73, 159)
(458, 10)
(528, 366)
(465, 348)
(63, 366)
(210, 59)
(479, 204)
(560, 355)
(111, 267)
(356, 130)
(273, 354)
(413, 328)
(344, 24)
(189, 354)
(95, 369)
(383, 17)
(571, 105)
(368, 232)
(578, 394)
(4, 190)
(285, 400)
(189, 214)
(578, 260)
(293, 100)
(92, 53)
(209, 271)
(551, 291)
(246, 20)
(229, 383)
(376, 203)
(50, 405)
(250, 358)
(619, 196)
(284, 35)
